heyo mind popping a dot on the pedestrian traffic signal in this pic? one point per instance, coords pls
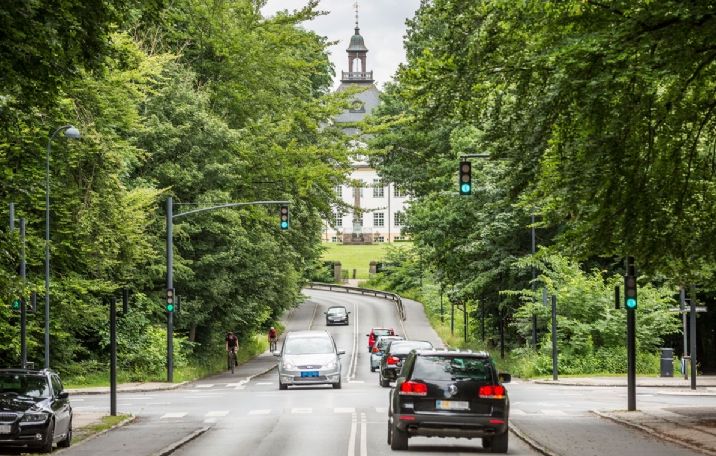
(16, 304)
(465, 181)
(630, 301)
(283, 211)
(170, 300)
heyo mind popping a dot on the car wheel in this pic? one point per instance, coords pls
(337, 386)
(372, 369)
(398, 438)
(498, 443)
(49, 437)
(383, 382)
(282, 386)
(67, 441)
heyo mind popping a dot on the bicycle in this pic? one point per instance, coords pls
(231, 359)
(272, 344)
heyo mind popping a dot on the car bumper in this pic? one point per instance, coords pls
(293, 377)
(390, 373)
(336, 322)
(24, 435)
(463, 426)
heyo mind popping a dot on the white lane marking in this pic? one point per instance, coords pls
(344, 410)
(173, 415)
(265, 383)
(260, 412)
(202, 396)
(209, 385)
(356, 381)
(363, 435)
(315, 309)
(210, 420)
(381, 409)
(159, 403)
(233, 385)
(514, 411)
(301, 411)
(77, 400)
(124, 404)
(354, 352)
(352, 438)
(217, 413)
(553, 413)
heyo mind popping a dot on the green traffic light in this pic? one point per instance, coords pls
(170, 307)
(631, 303)
(465, 189)
(284, 225)
(16, 303)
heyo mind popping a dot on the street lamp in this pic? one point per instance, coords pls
(71, 132)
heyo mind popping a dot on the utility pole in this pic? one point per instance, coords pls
(630, 302)
(692, 318)
(554, 338)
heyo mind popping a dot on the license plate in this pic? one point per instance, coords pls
(305, 374)
(452, 405)
(5, 428)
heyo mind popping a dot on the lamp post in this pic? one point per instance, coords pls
(70, 132)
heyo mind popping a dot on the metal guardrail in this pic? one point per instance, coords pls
(363, 291)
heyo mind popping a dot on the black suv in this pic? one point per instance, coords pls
(449, 394)
(35, 410)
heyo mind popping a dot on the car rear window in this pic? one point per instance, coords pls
(384, 341)
(403, 348)
(381, 332)
(307, 346)
(450, 368)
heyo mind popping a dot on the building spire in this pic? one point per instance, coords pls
(356, 7)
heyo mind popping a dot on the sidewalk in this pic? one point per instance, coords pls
(688, 426)
(246, 371)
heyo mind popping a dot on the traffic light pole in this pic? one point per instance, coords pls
(23, 303)
(692, 337)
(113, 356)
(631, 336)
(170, 263)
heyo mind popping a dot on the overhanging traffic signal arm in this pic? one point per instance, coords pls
(630, 301)
(283, 212)
(170, 306)
(465, 181)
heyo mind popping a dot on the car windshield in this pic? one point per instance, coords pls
(381, 332)
(308, 346)
(404, 347)
(337, 311)
(24, 385)
(450, 368)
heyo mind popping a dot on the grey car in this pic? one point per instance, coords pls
(378, 350)
(309, 358)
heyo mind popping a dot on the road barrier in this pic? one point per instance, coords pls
(363, 291)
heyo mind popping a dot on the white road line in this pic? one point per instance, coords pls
(344, 410)
(356, 381)
(514, 411)
(260, 412)
(363, 435)
(210, 420)
(381, 409)
(315, 309)
(133, 398)
(159, 403)
(352, 437)
(209, 385)
(354, 353)
(217, 413)
(233, 385)
(553, 413)
(301, 411)
(77, 400)
(265, 383)
(173, 415)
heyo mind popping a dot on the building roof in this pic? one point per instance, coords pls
(357, 44)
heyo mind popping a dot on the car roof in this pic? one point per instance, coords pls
(337, 307)
(387, 329)
(308, 333)
(27, 371)
(446, 353)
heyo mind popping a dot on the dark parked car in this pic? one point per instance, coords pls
(336, 315)
(449, 394)
(393, 358)
(381, 343)
(375, 332)
(35, 410)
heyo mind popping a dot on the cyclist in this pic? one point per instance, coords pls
(232, 344)
(272, 337)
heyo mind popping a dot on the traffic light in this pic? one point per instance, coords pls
(465, 178)
(283, 211)
(16, 304)
(630, 301)
(170, 300)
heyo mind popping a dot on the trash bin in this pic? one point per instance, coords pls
(667, 362)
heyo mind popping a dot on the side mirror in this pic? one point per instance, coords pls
(348, 313)
(63, 395)
(276, 353)
(341, 352)
(325, 313)
(504, 377)
(367, 335)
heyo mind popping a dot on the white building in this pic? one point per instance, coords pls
(377, 208)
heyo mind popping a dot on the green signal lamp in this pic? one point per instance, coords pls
(631, 303)
(16, 304)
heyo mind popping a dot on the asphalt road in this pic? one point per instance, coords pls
(255, 418)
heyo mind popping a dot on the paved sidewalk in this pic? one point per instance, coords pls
(691, 427)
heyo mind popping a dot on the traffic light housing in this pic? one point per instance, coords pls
(630, 300)
(465, 181)
(16, 304)
(170, 305)
(284, 221)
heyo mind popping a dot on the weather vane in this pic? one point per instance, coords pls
(356, 7)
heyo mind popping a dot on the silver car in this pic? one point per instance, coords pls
(378, 350)
(309, 358)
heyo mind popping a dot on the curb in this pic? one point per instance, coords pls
(169, 449)
(124, 422)
(530, 441)
(650, 431)
(119, 390)
(609, 385)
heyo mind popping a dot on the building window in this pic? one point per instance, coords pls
(338, 219)
(334, 239)
(378, 188)
(378, 219)
(399, 238)
(399, 218)
(380, 239)
(398, 191)
(358, 219)
(339, 191)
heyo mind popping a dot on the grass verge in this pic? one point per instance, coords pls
(106, 422)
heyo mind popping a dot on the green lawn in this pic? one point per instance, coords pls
(356, 257)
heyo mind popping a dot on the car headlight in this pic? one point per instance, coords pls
(287, 365)
(35, 417)
(330, 365)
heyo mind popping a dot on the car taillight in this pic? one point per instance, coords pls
(411, 388)
(375, 349)
(492, 392)
(392, 360)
